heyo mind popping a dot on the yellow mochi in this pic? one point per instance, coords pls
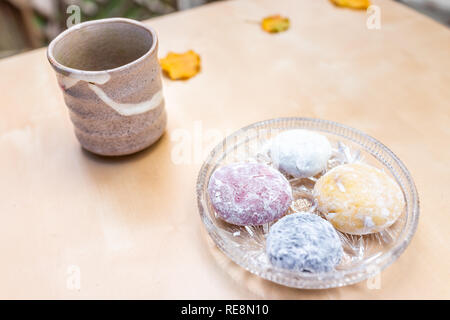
(359, 199)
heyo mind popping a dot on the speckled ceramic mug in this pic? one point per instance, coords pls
(111, 80)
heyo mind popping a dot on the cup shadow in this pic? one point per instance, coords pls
(100, 159)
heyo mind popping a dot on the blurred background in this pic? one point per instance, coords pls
(30, 24)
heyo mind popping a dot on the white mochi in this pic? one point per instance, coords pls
(300, 153)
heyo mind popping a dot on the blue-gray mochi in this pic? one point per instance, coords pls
(304, 242)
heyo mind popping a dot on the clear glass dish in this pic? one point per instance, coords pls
(364, 256)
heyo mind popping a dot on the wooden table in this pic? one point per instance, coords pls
(75, 225)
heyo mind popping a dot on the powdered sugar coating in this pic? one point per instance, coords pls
(304, 242)
(300, 153)
(249, 193)
(359, 199)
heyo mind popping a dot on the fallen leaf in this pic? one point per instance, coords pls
(275, 23)
(181, 66)
(353, 4)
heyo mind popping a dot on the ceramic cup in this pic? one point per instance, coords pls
(109, 73)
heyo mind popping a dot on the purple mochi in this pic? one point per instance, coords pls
(249, 193)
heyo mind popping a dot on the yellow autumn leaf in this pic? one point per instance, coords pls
(353, 4)
(180, 66)
(275, 23)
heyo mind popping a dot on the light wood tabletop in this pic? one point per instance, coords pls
(74, 225)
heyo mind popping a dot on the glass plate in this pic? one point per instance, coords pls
(364, 256)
